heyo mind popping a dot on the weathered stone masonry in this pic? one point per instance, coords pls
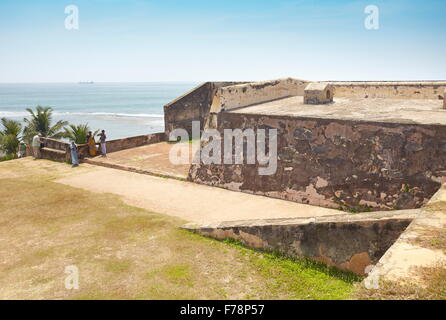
(339, 163)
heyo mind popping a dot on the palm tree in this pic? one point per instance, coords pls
(9, 136)
(40, 122)
(78, 133)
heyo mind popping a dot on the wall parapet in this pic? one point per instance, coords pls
(194, 105)
(58, 150)
(54, 149)
(241, 95)
(349, 242)
(55, 144)
(136, 141)
(389, 89)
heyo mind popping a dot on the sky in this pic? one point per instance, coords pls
(240, 40)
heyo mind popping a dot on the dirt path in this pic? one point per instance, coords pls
(189, 201)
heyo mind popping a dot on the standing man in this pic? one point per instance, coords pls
(103, 139)
(36, 146)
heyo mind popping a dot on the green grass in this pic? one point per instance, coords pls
(303, 278)
(177, 272)
(8, 157)
(117, 266)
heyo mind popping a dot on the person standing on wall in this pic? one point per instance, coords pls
(36, 145)
(103, 139)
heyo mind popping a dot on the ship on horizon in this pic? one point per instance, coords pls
(86, 82)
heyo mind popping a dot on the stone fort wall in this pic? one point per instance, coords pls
(192, 106)
(215, 97)
(348, 164)
(338, 163)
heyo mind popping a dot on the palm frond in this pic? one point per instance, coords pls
(77, 133)
(10, 127)
(40, 121)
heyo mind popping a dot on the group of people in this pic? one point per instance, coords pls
(37, 144)
(92, 149)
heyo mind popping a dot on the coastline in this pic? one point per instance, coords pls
(122, 109)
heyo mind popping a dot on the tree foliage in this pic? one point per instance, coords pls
(41, 122)
(78, 133)
(10, 136)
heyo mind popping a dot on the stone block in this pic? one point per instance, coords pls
(318, 93)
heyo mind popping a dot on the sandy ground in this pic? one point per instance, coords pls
(189, 201)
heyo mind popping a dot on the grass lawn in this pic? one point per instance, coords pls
(123, 252)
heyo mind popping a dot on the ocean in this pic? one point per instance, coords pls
(121, 109)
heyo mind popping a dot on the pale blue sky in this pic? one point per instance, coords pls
(166, 40)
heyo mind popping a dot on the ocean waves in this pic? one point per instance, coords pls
(122, 109)
(15, 114)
